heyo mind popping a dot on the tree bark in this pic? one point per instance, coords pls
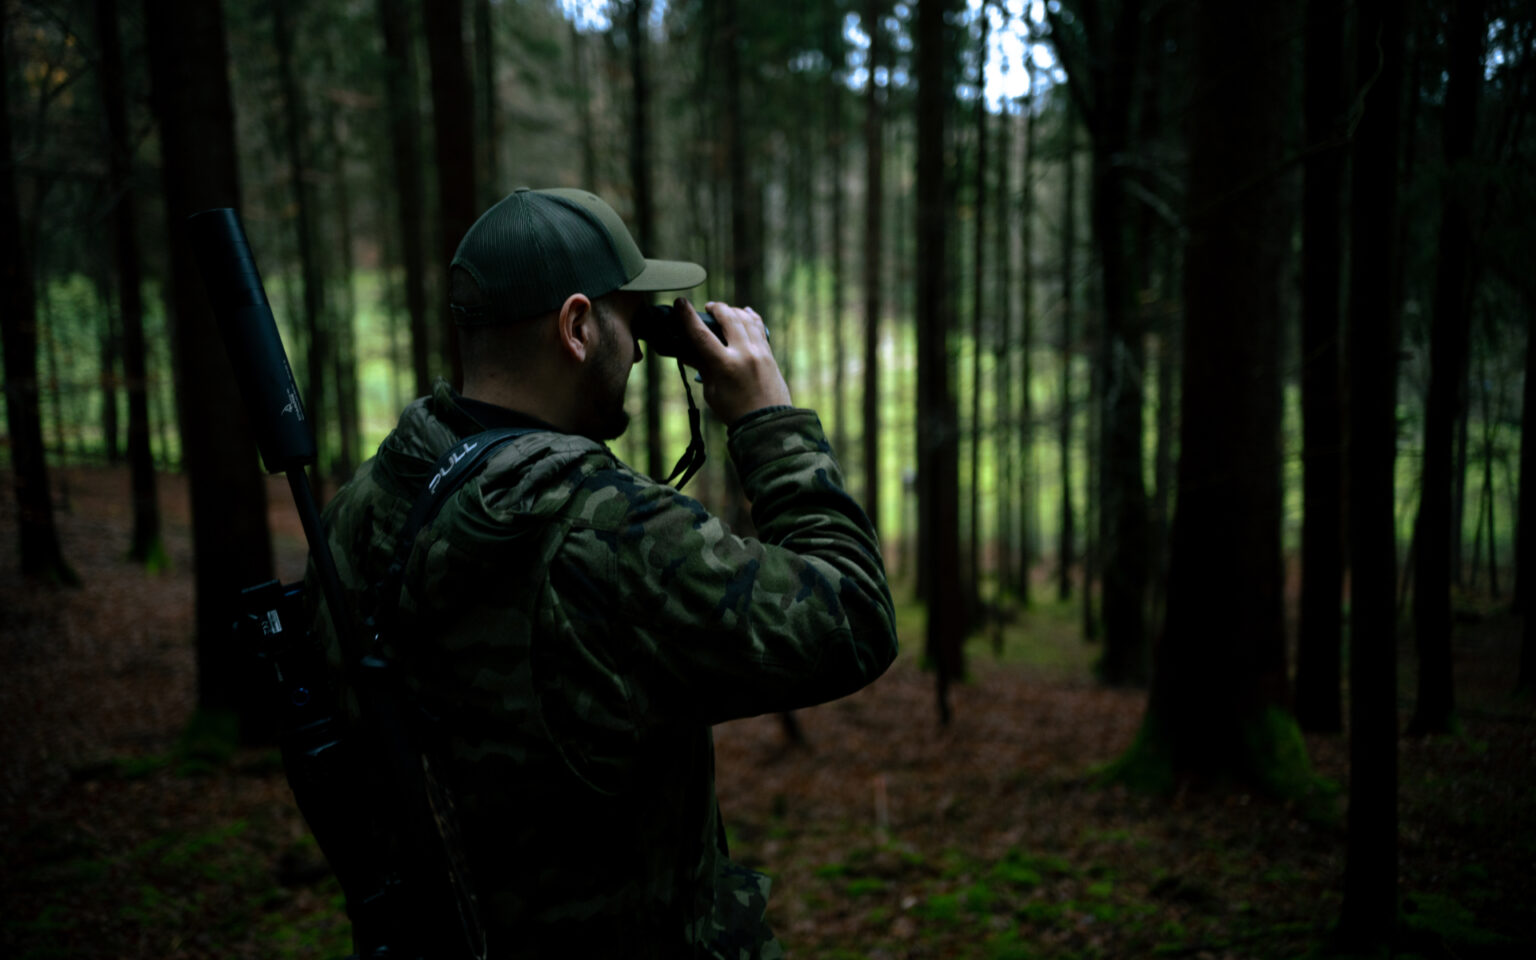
(978, 312)
(453, 124)
(645, 216)
(1451, 323)
(938, 429)
(231, 547)
(145, 546)
(1216, 707)
(343, 309)
(834, 91)
(1010, 493)
(405, 141)
(485, 63)
(106, 374)
(1525, 544)
(318, 403)
(1029, 513)
(1368, 914)
(41, 557)
(1318, 644)
(1122, 541)
(1064, 552)
(874, 198)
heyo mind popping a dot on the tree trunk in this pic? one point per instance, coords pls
(978, 310)
(1122, 542)
(584, 99)
(1368, 914)
(1318, 663)
(344, 306)
(744, 249)
(1010, 494)
(144, 546)
(230, 544)
(317, 402)
(938, 429)
(1029, 513)
(645, 217)
(1525, 545)
(106, 375)
(1434, 710)
(453, 123)
(1459, 492)
(405, 141)
(1216, 707)
(874, 198)
(1064, 552)
(485, 63)
(1493, 530)
(831, 22)
(39, 539)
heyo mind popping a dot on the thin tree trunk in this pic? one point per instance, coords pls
(978, 310)
(938, 430)
(318, 403)
(39, 539)
(344, 309)
(55, 391)
(1493, 531)
(405, 141)
(106, 375)
(835, 133)
(1122, 497)
(645, 216)
(874, 198)
(1065, 548)
(453, 123)
(1004, 419)
(1029, 512)
(485, 62)
(584, 98)
(1459, 481)
(231, 547)
(1435, 708)
(1525, 544)
(144, 545)
(1318, 646)
(1368, 914)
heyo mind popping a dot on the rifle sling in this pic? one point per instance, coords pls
(452, 470)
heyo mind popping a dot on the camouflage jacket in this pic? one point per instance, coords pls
(579, 627)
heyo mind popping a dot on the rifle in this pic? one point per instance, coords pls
(366, 789)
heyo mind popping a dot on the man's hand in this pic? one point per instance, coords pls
(740, 375)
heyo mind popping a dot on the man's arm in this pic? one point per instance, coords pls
(712, 626)
(707, 626)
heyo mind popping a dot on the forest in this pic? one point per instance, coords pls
(1178, 350)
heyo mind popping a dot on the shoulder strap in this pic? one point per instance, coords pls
(462, 461)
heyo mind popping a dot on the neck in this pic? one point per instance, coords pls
(523, 395)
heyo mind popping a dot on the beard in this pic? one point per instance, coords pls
(607, 378)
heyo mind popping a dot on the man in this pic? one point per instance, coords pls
(578, 627)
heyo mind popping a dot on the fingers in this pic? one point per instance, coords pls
(742, 325)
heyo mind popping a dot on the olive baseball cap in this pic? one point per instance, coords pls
(535, 248)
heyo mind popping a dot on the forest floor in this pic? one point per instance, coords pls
(886, 836)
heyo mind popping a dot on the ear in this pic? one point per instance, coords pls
(577, 327)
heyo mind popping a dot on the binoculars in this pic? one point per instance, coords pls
(660, 325)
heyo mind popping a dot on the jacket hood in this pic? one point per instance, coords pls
(532, 474)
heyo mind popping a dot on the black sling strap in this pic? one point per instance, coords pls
(462, 461)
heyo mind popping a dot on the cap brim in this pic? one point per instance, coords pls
(667, 275)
